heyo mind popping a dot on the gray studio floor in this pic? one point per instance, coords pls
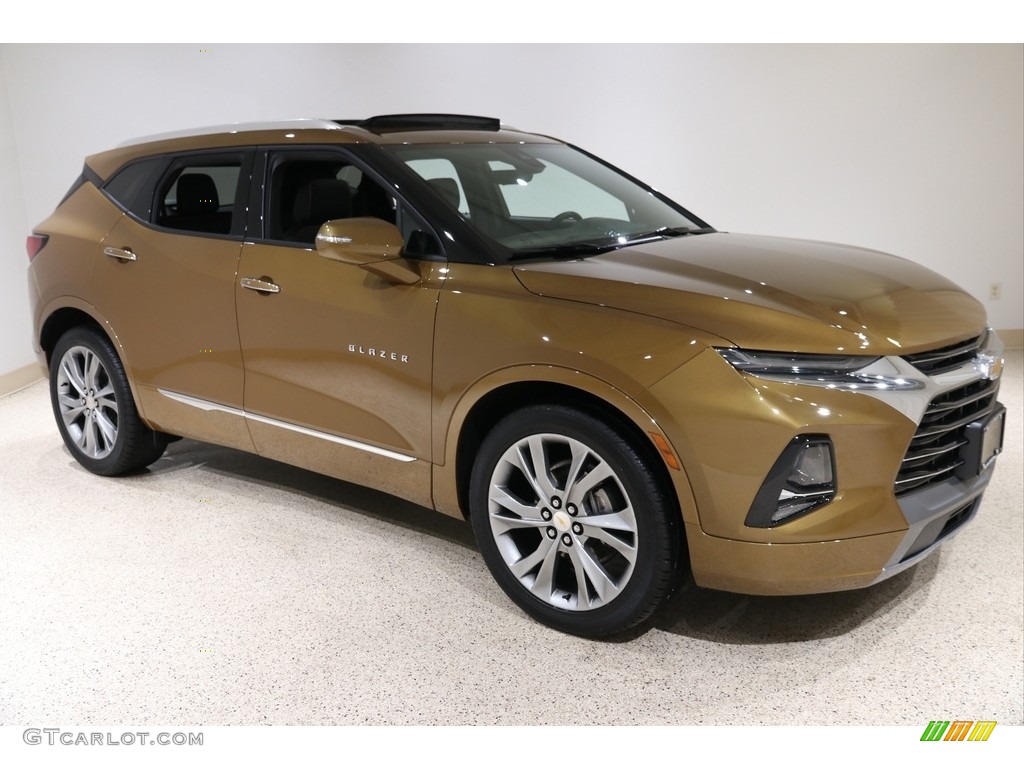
(220, 588)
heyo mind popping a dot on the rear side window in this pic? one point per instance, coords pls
(200, 195)
(132, 186)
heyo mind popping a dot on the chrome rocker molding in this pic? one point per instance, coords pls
(206, 405)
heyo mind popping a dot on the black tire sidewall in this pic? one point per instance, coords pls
(657, 539)
(135, 444)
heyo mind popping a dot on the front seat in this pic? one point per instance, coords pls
(316, 203)
(372, 200)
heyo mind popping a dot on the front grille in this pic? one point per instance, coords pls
(935, 450)
(949, 358)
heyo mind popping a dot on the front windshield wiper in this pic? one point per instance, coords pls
(566, 250)
(667, 232)
(594, 247)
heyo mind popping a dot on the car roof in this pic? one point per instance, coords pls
(413, 128)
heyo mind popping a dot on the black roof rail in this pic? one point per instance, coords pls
(425, 122)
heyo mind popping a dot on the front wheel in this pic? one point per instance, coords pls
(572, 521)
(93, 405)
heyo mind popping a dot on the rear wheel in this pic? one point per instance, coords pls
(94, 408)
(572, 522)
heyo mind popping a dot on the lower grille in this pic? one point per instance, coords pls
(939, 529)
(935, 450)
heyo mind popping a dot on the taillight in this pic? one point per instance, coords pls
(34, 244)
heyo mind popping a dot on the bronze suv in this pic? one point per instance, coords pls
(503, 327)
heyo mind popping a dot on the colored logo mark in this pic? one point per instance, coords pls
(958, 730)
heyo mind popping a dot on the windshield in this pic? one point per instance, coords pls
(540, 199)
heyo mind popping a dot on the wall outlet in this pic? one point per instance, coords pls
(995, 291)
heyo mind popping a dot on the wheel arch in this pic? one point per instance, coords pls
(507, 391)
(59, 322)
(67, 312)
(61, 316)
(103, 430)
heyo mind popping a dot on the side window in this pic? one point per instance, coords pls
(132, 186)
(307, 190)
(200, 196)
(442, 176)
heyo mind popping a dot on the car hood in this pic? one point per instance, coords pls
(772, 293)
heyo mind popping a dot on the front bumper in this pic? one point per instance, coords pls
(934, 515)
(869, 533)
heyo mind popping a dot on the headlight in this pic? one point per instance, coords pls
(847, 372)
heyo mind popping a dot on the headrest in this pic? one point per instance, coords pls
(321, 200)
(196, 194)
(448, 188)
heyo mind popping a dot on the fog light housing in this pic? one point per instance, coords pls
(802, 479)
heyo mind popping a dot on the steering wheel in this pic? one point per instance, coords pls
(563, 217)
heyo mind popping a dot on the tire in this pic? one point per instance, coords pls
(591, 556)
(94, 408)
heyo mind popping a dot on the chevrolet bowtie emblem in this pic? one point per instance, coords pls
(989, 366)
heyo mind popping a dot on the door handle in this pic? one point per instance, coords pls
(262, 285)
(121, 254)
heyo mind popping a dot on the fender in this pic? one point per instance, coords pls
(445, 481)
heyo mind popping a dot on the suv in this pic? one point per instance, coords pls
(501, 326)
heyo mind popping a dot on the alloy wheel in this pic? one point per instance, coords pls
(87, 402)
(562, 522)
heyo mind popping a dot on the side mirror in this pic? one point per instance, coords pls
(372, 244)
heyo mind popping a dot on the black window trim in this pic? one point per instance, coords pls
(170, 162)
(88, 175)
(239, 224)
(471, 246)
(259, 197)
(155, 173)
(462, 244)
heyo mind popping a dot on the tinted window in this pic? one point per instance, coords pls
(200, 196)
(132, 186)
(308, 189)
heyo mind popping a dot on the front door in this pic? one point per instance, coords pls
(337, 360)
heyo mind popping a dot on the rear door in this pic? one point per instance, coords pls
(165, 282)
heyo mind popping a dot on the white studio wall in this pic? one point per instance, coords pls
(15, 324)
(911, 149)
